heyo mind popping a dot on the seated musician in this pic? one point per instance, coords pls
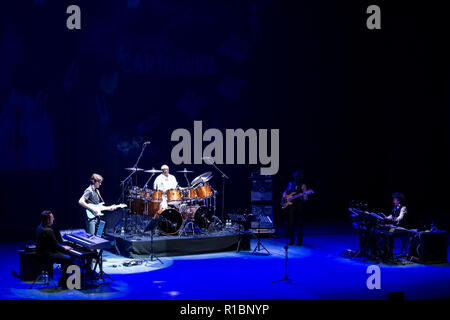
(164, 182)
(399, 211)
(48, 249)
(397, 217)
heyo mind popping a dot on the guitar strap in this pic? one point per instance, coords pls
(98, 192)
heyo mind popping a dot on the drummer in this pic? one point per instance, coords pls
(164, 182)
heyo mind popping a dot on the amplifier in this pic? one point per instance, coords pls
(30, 268)
(429, 247)
(262, 188)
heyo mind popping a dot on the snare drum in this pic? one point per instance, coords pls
(173, 196)
(203, 191)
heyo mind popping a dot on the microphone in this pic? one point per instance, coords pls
(146, 142)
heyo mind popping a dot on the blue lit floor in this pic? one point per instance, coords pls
(316, 269)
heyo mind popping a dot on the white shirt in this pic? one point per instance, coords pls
(401, 215)
(164, 183)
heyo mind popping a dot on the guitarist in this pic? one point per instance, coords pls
(90, 200)
(297, 208)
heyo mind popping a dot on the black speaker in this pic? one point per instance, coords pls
(263, 215)
(429, 247)
(30, 268)
(262, 188)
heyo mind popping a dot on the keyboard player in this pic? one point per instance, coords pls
(395, 221)
(49, 250)
(399, 211)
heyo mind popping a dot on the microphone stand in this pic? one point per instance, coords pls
(286, 278)
(152, 225)
(135, 166)
(127, 180)
(224, 176)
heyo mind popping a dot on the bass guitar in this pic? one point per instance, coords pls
(101, 207)
(286, 202)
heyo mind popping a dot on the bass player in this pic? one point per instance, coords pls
(295, 201)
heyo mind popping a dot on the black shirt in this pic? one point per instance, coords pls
(46, 242)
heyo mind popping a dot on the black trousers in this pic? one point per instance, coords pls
(295, 218)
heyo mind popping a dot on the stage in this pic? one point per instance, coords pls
(140, 246)
(318, 269)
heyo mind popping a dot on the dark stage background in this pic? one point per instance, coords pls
(362, 112)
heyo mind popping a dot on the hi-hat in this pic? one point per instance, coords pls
(134, 169)
(153, 171)
(185, 171)
(204, 177)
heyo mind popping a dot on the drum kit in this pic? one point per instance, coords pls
(190, 208)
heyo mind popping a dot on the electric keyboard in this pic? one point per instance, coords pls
(88, 241)
(81, 252)
(392, 228)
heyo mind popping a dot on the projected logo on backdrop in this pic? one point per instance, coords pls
(257, 143)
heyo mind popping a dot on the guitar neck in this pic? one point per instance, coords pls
(296, 196)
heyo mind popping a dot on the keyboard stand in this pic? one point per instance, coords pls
(259, 244)
(99, 262)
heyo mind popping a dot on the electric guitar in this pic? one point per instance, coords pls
(101, 207)
(286, 202)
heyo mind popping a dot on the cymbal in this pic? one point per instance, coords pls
(185, 171)
(204, 177)
(153, 171)
(134, 169)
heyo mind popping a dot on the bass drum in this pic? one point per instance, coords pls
(200, 215)
(170, 221)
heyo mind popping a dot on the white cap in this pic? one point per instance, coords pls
(164, 166)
